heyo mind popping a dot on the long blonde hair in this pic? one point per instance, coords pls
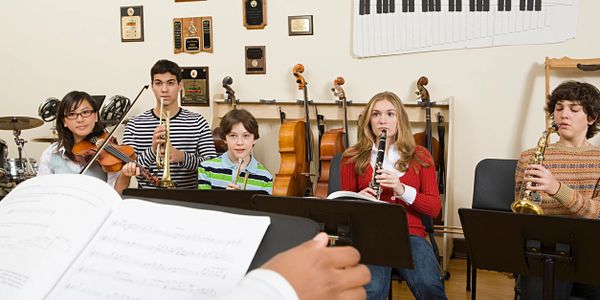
(404, 140)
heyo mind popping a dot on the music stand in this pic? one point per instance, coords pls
(283, 233)
(99, 99)
(354, 222)
(550, 246)
(379, 231)
(228, 198)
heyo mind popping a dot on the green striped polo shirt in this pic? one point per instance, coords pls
(216, 173)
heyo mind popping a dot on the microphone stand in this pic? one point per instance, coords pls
(112, 132)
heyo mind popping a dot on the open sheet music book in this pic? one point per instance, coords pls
(73, 237)
(352, 196)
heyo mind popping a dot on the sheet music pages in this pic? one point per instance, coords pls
(45, 222)
(153, 251)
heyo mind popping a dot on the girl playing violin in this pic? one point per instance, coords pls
(77, 119)
(236, 168)
(407, 178)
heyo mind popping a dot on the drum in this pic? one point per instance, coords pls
(20, 172)
(3, 156)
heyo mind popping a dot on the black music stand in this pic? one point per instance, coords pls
(354, 222)
(549, 246)
(228, 198)
(283, 233)
(379, 231)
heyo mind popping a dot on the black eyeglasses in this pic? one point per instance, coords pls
(85, 114)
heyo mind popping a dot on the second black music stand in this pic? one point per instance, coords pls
(534, 245)
(378, 230)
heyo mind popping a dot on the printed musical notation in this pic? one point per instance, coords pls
(383, 27)
(135, 257)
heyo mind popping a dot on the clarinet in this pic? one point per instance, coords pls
(378, 164)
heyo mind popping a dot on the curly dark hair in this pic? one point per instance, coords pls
(583, 93)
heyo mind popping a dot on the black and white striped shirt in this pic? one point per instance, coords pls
(189, 132)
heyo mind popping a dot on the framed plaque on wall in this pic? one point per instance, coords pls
(132, 24)
(195, 86)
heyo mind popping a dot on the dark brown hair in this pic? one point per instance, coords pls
(236, 116)
(584, 94)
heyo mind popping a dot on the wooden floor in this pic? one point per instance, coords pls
(490, 285)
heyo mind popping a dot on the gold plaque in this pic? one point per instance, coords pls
(300, 25)
(195, 86)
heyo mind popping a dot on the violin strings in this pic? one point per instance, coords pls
(118, 154)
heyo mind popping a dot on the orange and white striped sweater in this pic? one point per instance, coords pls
(578, 171)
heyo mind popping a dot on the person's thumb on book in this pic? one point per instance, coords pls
(316, 271)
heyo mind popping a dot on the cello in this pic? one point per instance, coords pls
(220, 145)
(333, 141)
(295, 149)
(425, 138)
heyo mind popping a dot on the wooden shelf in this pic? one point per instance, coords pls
(331, 111)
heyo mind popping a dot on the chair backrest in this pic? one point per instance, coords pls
(494, 187)
(334, 174)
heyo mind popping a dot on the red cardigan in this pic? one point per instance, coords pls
(422, 179)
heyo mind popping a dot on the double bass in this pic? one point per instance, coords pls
(295, 149)
(425, 138)
(220, 145)
(333, 142)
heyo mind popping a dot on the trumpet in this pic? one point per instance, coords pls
(237, 174)
(378, 164)
(162, 162)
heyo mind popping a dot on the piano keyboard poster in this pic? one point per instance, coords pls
(383, 27)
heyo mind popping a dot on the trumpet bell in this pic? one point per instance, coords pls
(524, 206)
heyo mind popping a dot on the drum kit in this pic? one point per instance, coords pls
(16, 170)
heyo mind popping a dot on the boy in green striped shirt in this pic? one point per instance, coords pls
(236, 168)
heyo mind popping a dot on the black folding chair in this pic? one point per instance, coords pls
(494, 189)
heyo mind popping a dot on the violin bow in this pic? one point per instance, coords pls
(112, 132)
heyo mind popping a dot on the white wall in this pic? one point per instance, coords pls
(52, 47)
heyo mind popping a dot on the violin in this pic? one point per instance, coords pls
(295, 149)
(112, 158)
(425, 138)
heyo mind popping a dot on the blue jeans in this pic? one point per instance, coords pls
(424, 281)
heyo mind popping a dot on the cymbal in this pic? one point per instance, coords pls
(19, 123)
(46, 139)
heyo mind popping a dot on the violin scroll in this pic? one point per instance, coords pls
(297, 70)
(337, 89)
(422, 91)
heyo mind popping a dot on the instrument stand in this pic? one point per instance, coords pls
(21, 172)
(550, 247)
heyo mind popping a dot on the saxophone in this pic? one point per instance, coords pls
(529, 201)
(378, 164)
